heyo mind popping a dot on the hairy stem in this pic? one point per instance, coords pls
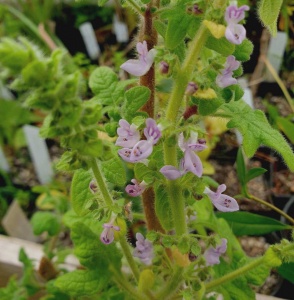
(133, 4)
(126, 250)
(282, 213)
(233, 275)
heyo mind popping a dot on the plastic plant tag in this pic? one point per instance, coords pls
(39, 154)
(120, 29)
(88, 34)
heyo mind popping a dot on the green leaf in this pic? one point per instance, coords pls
(102, 2)
(222, 45)
(114, 171)
(45, 221)
(208, 106)
(103, 82)
(269, 12)
(162, 208)
(255, 172)
(80, 192)
(135, 98)
(287, 127)
(82, 282)
(142, 172)
(256, 130)
(287, 271)
(12, 291)
(243, 51)
(245, 223)
(91, 252)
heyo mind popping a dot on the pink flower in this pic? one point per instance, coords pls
(107, 235)
(212, 255)
(163, 67)
(128, 135)
(140, 66)
(235, 14)
(222, 202)
(193, 143)
(136, 189)
(191, 88)
(143, 250)
(225, 78)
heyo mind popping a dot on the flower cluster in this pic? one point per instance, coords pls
(143, 250)
(226, 77)
(190, 162)
(140, 66)
(222, 202)
(136, 150)
(212, 255)
(235, 33)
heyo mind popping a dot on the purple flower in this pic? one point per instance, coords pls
(193, 143)
(143, 250)
(93, 187)
(235, 33)
(107, 235)
(222, 202)
(191, 88)
(173, 173)
(212, 255)
(140, 66)
(152, 131)
(235, 14)
(225, 78)
(128, 135)
(136, 189)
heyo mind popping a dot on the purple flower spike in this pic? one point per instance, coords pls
(136, 189)
(234, 14)
(212, 255)
(225, 78)
(107, 235)
(128, 135)
(222, 202)
(192, 143)
(143, 250)
(192, 163)
(140, 66)
(235, 33)
(152, 132)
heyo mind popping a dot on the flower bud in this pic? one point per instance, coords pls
(163, 67)
(196, 10)
(191, 88)
(93, 186)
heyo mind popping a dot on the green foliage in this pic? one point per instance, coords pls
(45, 222)
(81, 196)
(268, 12)
(114, 171)
(256, 131)
(222, 45)
(245, 223)
(287, 271)
(162, 208)
(13, 291)
(243, 51)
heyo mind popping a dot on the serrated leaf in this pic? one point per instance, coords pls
(256, 130)
(287, 271)
(162, 208)
(135, 98)
(269, 12)
(114, 171)
(245, 223)
(45, 222)
(80, 192)
(82, 282)
(103, 83)
(255, 172)
(142, 172)
(287, 127)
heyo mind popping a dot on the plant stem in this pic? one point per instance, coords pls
(101, 183)
(228, 277)
(124, 284)
(172, 286)
(134, 6)
(286, 216)
(185, 73)
(126, 250)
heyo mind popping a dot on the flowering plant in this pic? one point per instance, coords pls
(183, 249)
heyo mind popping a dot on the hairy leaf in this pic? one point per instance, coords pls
(269, 12)
(256, 131)
(114, 171)
(162, 208)
(45, 221)
(287, 271)
(245, 223)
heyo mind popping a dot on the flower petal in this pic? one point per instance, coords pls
(136, 67)
(171, 172)
(235, 33)
(225, 203)
(192, 163)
